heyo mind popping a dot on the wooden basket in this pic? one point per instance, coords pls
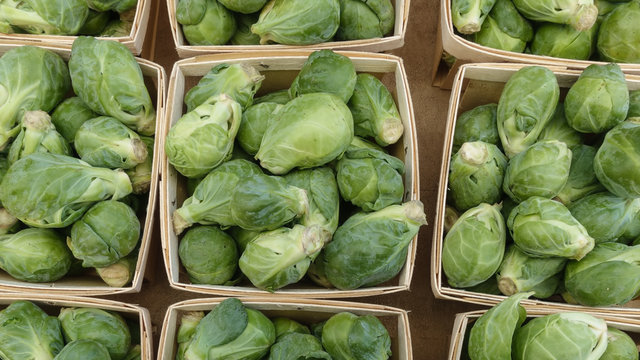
(394, 41)
(53, 303)
(305, 311)
(134, 41)
(87, 285)
(185, 75)
(474, 85)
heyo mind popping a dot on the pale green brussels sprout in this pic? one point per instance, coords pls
(564, 41)
(286, 326)
(83, 350)
(188, 323)
(31, 78)
(298, 346)
(27, 332)
(95, 23)
(324, 199)
(608, 275)
(244, 6)
(298, 22)
(317, 273)
(491, 336)
(618, 37)
(365, 19)
(608, 217)
(51, 17)
(581, 14)
(238, 81)
(209, 255)
(559, 129)
(476, 175)
(117, 28)
(526, 106)
(48, 190)
(634, 104)
(310, 130)
(279, 97)
(203, 138)
(326, 72)
(468, 15)
(35, 255)
(566, 335)
(346, 336)
(205, 22)
(541, 170)
(374, 111)
(521, 273)
(141, 174)
(105, 327)
(121, 272)
(620, 346)
(474, 246)
(599, 100)
(616, 162)
(69, 116)
(477, 124)
(542, 228)
(243, 34)
(582, 179)
(255, 121)
(115, 5)
(371, 248)
(242, 236)
(111, 88)
(505, 28)
(37, 134)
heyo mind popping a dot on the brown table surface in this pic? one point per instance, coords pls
(431, 320)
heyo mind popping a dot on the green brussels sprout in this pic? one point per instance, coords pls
(477, 124)
(521, 273)
(371, 248)
(95, 23)
(242, 237)
(582, 179)
(316, 329)
(541, 170)
(618, 37)
(243, 6)
(374, 111)
(505, 28)
(37, 134)
(365, 19)
(83, 350)
(616, 162)
(581, 14)
(451, 216)
(619, 346)
(209, 255)
(203, 138)
(51, 17)
(347, 336)
(285, 326)
(48, 190)
(310, 130)
(564, 41)
(9, 224)
(317, 273)
(27, 332)
(141, 174)
(135, 353)
(243, 34)
(107, 328)
(324, 199)
(117, 28)
(621, 216)
(326, 72)
(476, 175)
(605, 7)
(296, 346)
(69, 116)
(31, 78)
(491, 336)
(469, 15)
(559, 129)
(111, 88)
(255, 121)
(188, 323)
(478, 237)
(121, 272)
(279, 97)
(542, 228)
(115, 5)
(298, 22)
(634, 104)
(205, 22)
(525, 107)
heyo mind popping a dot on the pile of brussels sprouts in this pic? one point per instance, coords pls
(567, 191)
(232, 331)
(500, 334)
(279, 215)
(571, 29)
(27, 332)
(288, 22)
(112, 18)
(61, 174)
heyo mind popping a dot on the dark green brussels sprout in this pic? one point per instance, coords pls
(52, 17)
(310, 130)
(526, 106)
(121, 272)
(83, 350)
(608, 217)
(478, 237)
(374, 111)
(564, 41)
(521, 273)
(31, 78)
(619, 346)
(27, 332)
(141, 174)
(279, 97)
(476, 175)
(298, 346)
(205, 22)
(117, 28)
(244, 6)
(243, 34)
(203, 138)
(209, 255)
(477, 124)
(115, 5)
(316, 329)
(322, 191)
(365, 19)
(69, 116)
(37, 134)
(255, 121)
(371, 248)
(95, 23)
(347, 336)
(634, 104)
(559, 129)
(298, 22)
(317, 273)
(468, 15)
(581, 14)
(619, 36)
(505, 28)
(326, 72)
(616, 162)
(286, 326)
(111, 88)
(582, 179)
(135, 353)
(107, 328)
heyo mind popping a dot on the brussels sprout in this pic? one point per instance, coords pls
(205, 22)
(608, 217)
(209, 255)
(468, 15)
(582, 179)
(559, 129)
(634, 104)
(567, 335)
(605, 7)
(542, 228)
(479, 238)
(365, 19)
(31, 78)
(310, 130)
(243, 34)
(286, 326)
(616, 162)
(374, 111)
(317, 273)
(95, 23)
(491, 335)
(476, 175)
(107, 328)
(619, 346)
(298, 22)
(526, 106)
(203, 138)
(255, 121)
(279, 97)
(347, 336)
(326, 72)
(83, 350)
(581, 14)
(316, 329)
(115, 5)
(564, 41)
(242, 237)
(135, 353)
(244, 6)
(324, 200)
(121, 272)
(298, 346)
(142, 173)
(37, 134)
(489, 286)
(69, 116)
(47, 190)
(451, 216)
(520, 273)
(9, 224)
(53, 17)
(371, 248)
(27, 332)
(477, 124)
(504, 28)
(117, 28)
(619, 37)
